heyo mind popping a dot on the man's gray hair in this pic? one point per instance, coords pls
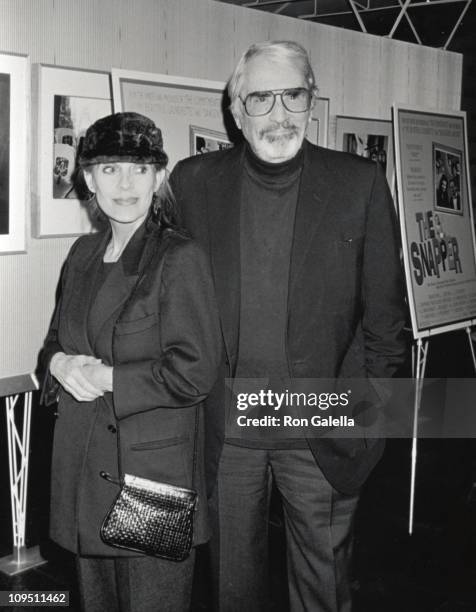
(280, 50)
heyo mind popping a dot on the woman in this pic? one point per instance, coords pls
(132, 351)
(442, 199)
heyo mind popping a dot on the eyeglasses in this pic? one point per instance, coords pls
(295, 100)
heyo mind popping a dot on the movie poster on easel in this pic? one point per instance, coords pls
(436, 219)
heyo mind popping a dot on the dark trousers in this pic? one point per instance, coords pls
(318, 523)
(134, 584)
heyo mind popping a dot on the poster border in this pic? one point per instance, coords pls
(424, 332)
(17, 66)
(120, 75)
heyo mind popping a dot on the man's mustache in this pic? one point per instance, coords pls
(286, 125)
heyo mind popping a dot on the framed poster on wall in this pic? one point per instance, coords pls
(14, 124)
(205, 141)
(370, 138)
(69, 101)
(436, 218)
(188, 111)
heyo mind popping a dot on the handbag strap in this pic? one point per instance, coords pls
(195, 438)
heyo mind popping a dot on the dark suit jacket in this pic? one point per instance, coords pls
(345, 300)
(158, 327)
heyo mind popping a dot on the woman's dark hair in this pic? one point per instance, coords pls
(164, 211)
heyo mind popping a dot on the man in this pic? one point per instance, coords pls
(304, 253)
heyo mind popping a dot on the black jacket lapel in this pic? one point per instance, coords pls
(223, 198)
(314, 196)
(123, 277)
(82, 295)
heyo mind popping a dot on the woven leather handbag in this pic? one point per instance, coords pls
(149, 517)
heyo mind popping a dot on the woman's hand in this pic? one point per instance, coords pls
(99, 375)
(78, 375)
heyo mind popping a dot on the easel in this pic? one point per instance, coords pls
(425, 243)
(18, 392)
(419, 359)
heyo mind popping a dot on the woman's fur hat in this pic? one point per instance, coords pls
(123, 137)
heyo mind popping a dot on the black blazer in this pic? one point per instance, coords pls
(158, 326)
(345, 301)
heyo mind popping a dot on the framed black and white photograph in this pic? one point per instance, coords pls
(70, 101)
(370, 138)
(204, 141)
(447, 164)
(14, 123)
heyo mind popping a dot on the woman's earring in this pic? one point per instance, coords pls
(155, 204)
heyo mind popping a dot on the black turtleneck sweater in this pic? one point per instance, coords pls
(268, 205)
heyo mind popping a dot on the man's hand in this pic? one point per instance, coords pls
(78, 375)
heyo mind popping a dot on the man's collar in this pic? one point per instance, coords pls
(269, 169)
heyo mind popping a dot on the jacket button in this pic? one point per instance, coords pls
(112, 429)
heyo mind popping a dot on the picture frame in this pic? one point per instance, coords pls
(204, 141)
(183, 108)
(69, 101)
(14, 145)
(370, 138)
(447, 163)
(318, 129)
(438, 238)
